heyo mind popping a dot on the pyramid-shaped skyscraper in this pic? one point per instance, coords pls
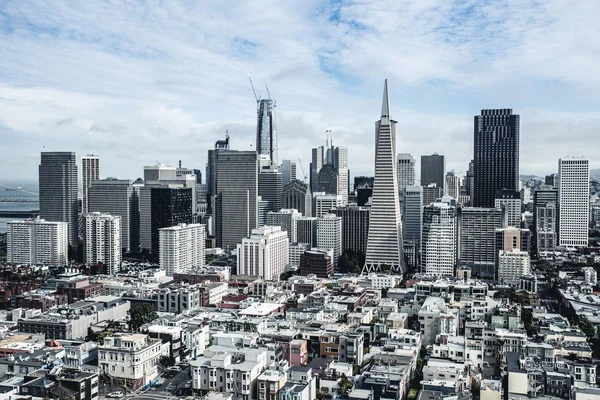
(384, 245)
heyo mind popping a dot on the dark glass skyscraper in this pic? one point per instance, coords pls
(266, 130)
(58, 190)
(496, 155)
(433, 170)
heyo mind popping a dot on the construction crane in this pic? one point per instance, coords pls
(269, 93)
(254, 91)
(302, 168)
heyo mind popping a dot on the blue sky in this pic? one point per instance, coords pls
(145, 81)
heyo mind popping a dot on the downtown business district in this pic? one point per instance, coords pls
(262, 286)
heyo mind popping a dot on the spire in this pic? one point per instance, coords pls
(385, 105)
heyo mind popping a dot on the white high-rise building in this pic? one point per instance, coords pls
(90, 171)
(573, 201)
(329, 235)
(37, 242)
(439, 239)
(325, 203)
(264, 254)
(341, 163)
(406, 171)
(286, 219)
(103, 240)
(512, 265)
(182, 247)
(512, 203)
(384, 246)
(452, 184)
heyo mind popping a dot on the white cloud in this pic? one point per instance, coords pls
(139, 82)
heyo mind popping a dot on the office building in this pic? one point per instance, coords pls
(573, 201)
(162, 207)
(512, 265)
(496, 155)
(329, 235)
(316, 262)
(297, 195)
(355, 227)
(37, 241)
(433, 170)
(323, 203)
(432, 194)
(286, 219)
(412, 216)
(167, 176)
(452, 184)
(58, 191)
(296, 251)
(364, 193)
(384, 245)
(266, 131)
(306, 230)
(545, 220)
(103, 240)
(264, 207)
(328, 180)
(264, 254)
(288, 171)
(237, 190)
(211, 173)
(270, 188)
(116, 197)
(182, 247)
(406, 171)
(511, 238)
(338, 158)
(90, 171)
(477, 238)
(513, 205)
(439, 241)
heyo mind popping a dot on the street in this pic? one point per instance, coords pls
(170, 388)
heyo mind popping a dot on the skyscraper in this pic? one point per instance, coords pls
(237, 191)
(336, 156)
(573, 201)
(58, 190)
(182, 247)
(296, 194)
(288, 171)
(36, 241)
(103, 240)
(406, 171)
(286, 219)
(439, 239)
(384, 245)
(452, 184)
(496, 155)
(270, 188)
(355, 227)
(265, 253)
(329, 235)
(266, 130)
(412, 216)
(306, 230)
(545, 220)
(477, 238)
(433, 170)
(90, 171)
(513, 204)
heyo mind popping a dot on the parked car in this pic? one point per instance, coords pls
(175, 368)
(115, 395)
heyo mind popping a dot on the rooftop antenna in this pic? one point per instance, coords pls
(254, 91)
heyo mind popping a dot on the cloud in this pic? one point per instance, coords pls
(141, 81)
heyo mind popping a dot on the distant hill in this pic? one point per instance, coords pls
(528, 177)
(595, 173)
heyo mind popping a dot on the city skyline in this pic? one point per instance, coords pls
(171, 96)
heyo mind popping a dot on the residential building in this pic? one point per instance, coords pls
(573, 201)
(90, 171)
(301, 384)
(182, 247)
(436, 318)
(297, 195)
(439, 244)
(329, 235)
(131, 357)
(511, 238)
(512, 265)
(433, 170)
(355, 227)
(265, 253)
(37, 241)
(384, 244)
(496, 155)
(117, 198)
(316, 262)
(103, 241)
(452, 184)
(513, 205)
(58, 191)
(285, 218)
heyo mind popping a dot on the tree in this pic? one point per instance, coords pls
(141, 315)
(527, 318)
(475, 388)
(345, 384)
(103, 336)
(412, 394)
(587, 328)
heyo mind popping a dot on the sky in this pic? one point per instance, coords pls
(144, 81)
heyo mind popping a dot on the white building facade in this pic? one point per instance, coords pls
(264, 254)
(439, 239)
(103, 240)
(512, 265)
(90, 171)
(329, 235)
(182, 247)
(285, 218)
(37, 242)
(573, 201)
